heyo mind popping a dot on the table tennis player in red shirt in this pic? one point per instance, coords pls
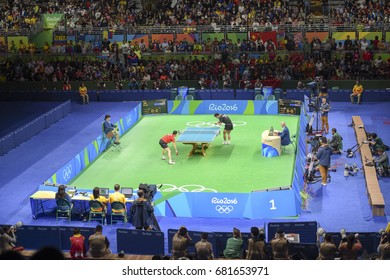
(164, 141)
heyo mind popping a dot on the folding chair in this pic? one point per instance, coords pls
(64, 209)
(118, 209)
(96, 211)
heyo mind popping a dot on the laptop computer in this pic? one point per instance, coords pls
(128, 192)
(104, 192)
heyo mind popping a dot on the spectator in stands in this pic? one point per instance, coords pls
(233, 249)
(117, 196)
(48, 253)
(77, 247)
(84, 94)
(61, 194)
(180, 242)
(7, 239)
(67, 86)
(280, 246)
(99, 245)
(110, 129)
(384, 246)
(324, 108)
(336, 143)
(327, 248)
(203, 248)
(350, 247)
(323, 156)
(95, 196)
(141, 212)
(256, 245)
(133, 84)
(382, 162)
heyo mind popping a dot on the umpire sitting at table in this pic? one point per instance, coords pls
(110, 130)
(284, 135)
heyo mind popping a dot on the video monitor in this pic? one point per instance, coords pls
(104, 192)
(128, 192)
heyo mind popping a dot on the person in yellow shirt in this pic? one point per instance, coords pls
(117, 196)
(84, 93)
(95, 196)
(356, 92)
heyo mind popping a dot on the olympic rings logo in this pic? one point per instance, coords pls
(186, 188)
(212, 124)
(128, 120)
(224, 209)
(67, 172)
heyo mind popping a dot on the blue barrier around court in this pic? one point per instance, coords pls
(307, 230)
(140, 242)
(25, 132)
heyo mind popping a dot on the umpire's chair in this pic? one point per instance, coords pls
(111, 140)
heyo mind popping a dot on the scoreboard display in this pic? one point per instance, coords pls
(156, 106)
(289, 107)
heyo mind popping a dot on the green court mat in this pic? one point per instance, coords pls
(238, 167)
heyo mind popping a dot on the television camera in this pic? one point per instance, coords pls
(149, 190)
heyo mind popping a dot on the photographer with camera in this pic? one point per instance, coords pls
(327, 248)
(336, 143)
(256, 245)
(280, 244)
(8, 238)
(384, 246)
(110, 129)
(375, 143)
(180, 242)
(233, 249)
(324, 108)
(350, 246)
(382, 163)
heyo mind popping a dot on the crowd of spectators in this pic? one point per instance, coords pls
(257, 14)
(210, 60)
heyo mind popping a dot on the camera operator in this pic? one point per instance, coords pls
(384, 246)
(8, 239)
(382, 163)
(336, 142)
(350, 247)
(375, 143)
(280, 246)
(141, 212)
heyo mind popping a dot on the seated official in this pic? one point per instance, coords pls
(117, 196)
(382, 163)
(110, 130)
(95, 196)
(61, 194)
(284, 135)
(336, 143)
(356, 92)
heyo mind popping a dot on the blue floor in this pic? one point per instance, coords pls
(341, 204)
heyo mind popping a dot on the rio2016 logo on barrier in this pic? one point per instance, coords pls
(226, 206)
(222, 107)
(67, 172)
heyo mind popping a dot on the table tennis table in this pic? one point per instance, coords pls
(199, 137)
